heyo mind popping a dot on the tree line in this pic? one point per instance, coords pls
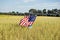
(44, 12)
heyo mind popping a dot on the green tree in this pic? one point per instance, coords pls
(32, 11)
(39, 12)
(54, 11)
(13, 12)
(17, 12)
(44, 11)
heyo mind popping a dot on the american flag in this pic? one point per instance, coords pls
(27, 20)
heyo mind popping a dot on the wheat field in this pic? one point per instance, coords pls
(44, 28)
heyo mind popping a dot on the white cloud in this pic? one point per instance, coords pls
(46, 5)
(25, 8)
(28, 1)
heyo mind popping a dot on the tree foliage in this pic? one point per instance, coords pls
(44, 12)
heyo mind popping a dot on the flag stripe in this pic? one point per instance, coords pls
(27, 21)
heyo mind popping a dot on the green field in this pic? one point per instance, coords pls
(44, 28)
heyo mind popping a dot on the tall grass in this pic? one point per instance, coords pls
(44, 28)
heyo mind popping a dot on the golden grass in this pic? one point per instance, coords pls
(44, 28)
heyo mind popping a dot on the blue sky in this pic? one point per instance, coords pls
(25, 5)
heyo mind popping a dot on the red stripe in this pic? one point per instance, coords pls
(24, 21)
